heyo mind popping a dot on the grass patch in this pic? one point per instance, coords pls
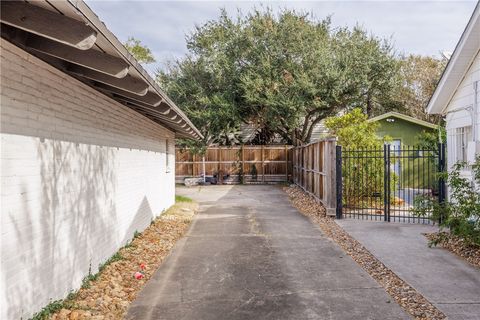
(48, 310)
(182, 199)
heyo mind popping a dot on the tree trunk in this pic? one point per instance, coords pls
(310, 130)
(369, 106)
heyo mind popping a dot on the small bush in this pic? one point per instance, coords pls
(355, 132)
(461, 214)
(48, 310)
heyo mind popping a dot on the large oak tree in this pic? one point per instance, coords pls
(282, 72)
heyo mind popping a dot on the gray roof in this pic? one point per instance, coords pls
(68, 35)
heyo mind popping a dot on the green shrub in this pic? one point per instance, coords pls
(355, 132)
(48, 310)
(461, 214)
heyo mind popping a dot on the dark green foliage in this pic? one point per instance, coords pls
(462, 213)
(193, 146)
(355, 132)
(430, 140)
(282, 73)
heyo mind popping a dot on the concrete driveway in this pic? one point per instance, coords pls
(446, 280)
(250, 255)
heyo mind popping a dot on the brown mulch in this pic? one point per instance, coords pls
(406, 296)
(109, 296)
(457, 245)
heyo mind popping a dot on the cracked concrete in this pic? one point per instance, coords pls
(446, 280)
(250, 255)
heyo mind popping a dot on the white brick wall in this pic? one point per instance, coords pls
(79, 174)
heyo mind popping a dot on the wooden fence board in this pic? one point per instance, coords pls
(272, 163)
(314, 171)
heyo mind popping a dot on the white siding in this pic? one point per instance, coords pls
(457, 116)
(79, 174)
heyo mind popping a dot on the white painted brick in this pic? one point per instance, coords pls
(79, 174)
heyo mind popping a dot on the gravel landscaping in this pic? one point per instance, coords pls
(108, 294)
(457, 245)
(406, 296)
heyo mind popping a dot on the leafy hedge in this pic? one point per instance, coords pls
(461, 214)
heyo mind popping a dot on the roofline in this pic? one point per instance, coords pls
(434, 106)
(94, 20)
(403, 117)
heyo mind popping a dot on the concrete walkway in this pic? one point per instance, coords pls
(250, 255)
(446, 280)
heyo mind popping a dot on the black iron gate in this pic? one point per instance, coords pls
(387, 183)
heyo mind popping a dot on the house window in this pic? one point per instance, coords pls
(462, 136)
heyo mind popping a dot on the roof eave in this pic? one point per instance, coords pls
(89, 15)
(462, 58)
(403, 117)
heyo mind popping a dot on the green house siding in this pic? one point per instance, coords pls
(414, 172)
(402, 130)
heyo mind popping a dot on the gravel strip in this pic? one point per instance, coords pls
(109, 296)
(406, 296)
(457, 245)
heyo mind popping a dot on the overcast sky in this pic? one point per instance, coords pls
(422, 27)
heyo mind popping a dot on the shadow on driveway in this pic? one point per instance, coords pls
(250, 255)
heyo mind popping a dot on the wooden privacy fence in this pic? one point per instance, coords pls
(314, 171)
(252, 164)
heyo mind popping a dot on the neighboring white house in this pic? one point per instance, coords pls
(87, 150)
(457, 97)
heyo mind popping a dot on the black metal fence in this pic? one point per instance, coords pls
(387, 183)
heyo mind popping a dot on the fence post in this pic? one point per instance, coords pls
(263, 166)
(441, 180)
(203, 169)
(386, 182)
(218, 162)
(295, 165)
(243, 164)
(286, 163)
(339, 184)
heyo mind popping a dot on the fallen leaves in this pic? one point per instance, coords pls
(109, 296)
(457, 245)
(406, 296)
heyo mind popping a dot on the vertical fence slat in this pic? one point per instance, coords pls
(268, 160)
(314, 170)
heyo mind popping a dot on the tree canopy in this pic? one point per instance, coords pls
(141, 52)
(282, 73)
(419, 76)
